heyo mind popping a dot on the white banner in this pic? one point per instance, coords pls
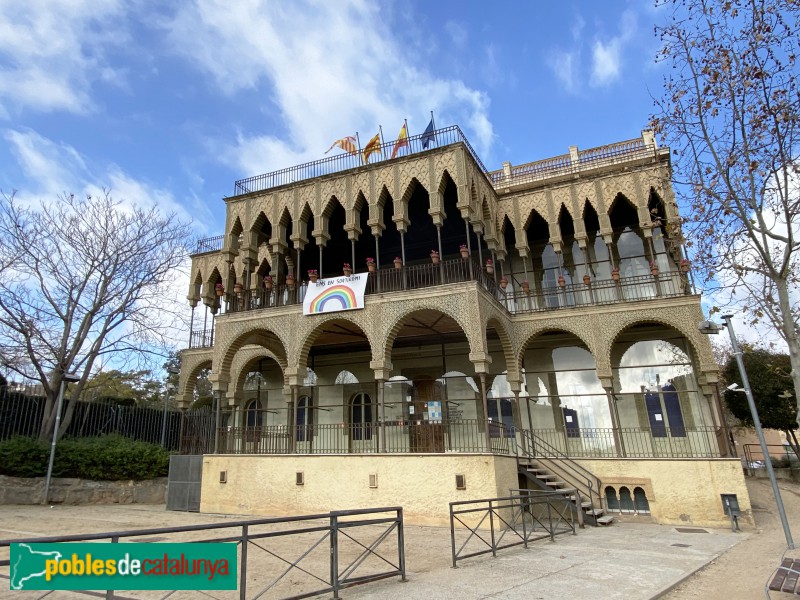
(335, 294)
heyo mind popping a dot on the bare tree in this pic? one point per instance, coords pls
(730, 111)
(83, 280)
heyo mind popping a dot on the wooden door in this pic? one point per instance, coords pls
(426, 417)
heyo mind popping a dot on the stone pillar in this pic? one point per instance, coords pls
(382, 413)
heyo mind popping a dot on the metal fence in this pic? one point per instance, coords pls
(289, 558)
(21, 413)
(632, 442)
(493, 524)
(409, 277)
(667, 284)
(341, 162)
(464, 435)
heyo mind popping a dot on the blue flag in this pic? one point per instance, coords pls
(427, 136)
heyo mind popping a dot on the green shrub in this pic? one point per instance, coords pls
(110, 457)
(23, 457)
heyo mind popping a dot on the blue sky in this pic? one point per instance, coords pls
(169, 103)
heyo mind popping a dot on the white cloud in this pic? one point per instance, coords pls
(565, 67)
(328, 69)
(607, 56)
(58, 168)
(51, 51)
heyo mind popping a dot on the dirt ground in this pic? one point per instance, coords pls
(742, 572)
(739, 573)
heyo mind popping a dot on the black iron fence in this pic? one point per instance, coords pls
(289, 558)
(21, 413)
(487, 525)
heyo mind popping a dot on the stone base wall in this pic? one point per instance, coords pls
(680, 491)
(17, 490)
(423, 485)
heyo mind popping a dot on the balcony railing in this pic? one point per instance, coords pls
(634, 442)
(212, 244)
(409, 277)
(395, 437)
(343, 162)
(201, 339)
(468, 436)
(597, 292)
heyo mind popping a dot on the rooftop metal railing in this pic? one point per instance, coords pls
(342, 162)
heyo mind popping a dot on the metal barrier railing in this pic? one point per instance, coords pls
(754, 457)
(340, 565)
(523, 518)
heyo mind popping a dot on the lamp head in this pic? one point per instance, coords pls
(709, 327)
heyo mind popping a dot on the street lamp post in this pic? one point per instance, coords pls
(707, 327)
(65, 379)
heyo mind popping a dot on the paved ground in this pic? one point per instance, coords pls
(627, 560)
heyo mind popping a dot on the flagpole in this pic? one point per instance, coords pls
(435, 141)
(383, 150)
(408, 135)
(358, 141)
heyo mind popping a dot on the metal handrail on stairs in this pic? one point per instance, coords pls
(535, 448)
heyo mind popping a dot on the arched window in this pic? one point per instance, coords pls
(254, 414)
(345, 377)
(625, 500)
(361, 422)
(305, 419)
(640, 503)
(612, 504)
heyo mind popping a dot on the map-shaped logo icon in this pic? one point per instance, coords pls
(28, 564)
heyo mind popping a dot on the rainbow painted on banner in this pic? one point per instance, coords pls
(342, 294)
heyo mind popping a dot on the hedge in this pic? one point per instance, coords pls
(109, 457)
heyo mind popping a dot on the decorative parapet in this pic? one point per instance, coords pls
(576, 161)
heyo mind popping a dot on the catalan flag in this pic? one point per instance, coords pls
(373, 146)
(348, 144)
(402, 140)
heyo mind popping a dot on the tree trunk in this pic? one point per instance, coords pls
(790, 334)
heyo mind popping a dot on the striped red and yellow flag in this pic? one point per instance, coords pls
(373, 146)
(402, 140)
(348, 144)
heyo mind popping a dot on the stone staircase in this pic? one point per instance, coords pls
(587, 501)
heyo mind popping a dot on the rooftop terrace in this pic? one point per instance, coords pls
(572, 163)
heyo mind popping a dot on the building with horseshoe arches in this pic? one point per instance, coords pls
(533, 325)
